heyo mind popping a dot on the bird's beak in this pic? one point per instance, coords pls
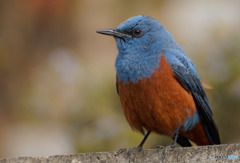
(113, 32)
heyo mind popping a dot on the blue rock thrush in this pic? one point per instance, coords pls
(158, 85)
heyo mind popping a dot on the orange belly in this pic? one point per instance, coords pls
(158, 104)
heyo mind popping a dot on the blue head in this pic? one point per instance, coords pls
(146, 36)
(141, 41)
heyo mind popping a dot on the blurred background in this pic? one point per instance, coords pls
(57, 76)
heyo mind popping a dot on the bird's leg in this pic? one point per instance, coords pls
(174, 141)
(139, 148)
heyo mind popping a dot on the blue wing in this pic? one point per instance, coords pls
(185, 73)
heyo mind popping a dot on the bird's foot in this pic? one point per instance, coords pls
(165, 148)
(164, 152)
(173, 145)
(160, 147)
(130, 151)
(121, 150)
(139, 148)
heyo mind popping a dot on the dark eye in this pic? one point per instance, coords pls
(137, 32)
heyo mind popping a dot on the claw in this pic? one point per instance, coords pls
(121, 150)
(130, 151)
(164, 153)
(174, 145)
(159, 147)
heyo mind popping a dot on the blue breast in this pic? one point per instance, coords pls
(133, 68)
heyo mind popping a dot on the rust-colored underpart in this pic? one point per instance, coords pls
(159, 104)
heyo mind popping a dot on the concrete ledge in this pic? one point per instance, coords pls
(217, 153)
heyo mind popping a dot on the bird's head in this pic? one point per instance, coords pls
(139, 36)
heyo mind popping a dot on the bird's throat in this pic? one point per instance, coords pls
(133, 67)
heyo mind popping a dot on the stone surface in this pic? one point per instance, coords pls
(216, 153)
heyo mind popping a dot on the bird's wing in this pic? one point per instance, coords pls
(193, 85)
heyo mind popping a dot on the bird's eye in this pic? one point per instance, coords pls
(137, 32)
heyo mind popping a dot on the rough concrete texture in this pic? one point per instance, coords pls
(217, 153)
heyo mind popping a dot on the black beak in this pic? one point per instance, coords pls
(113, 32)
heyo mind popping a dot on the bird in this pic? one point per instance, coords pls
(158, 85)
